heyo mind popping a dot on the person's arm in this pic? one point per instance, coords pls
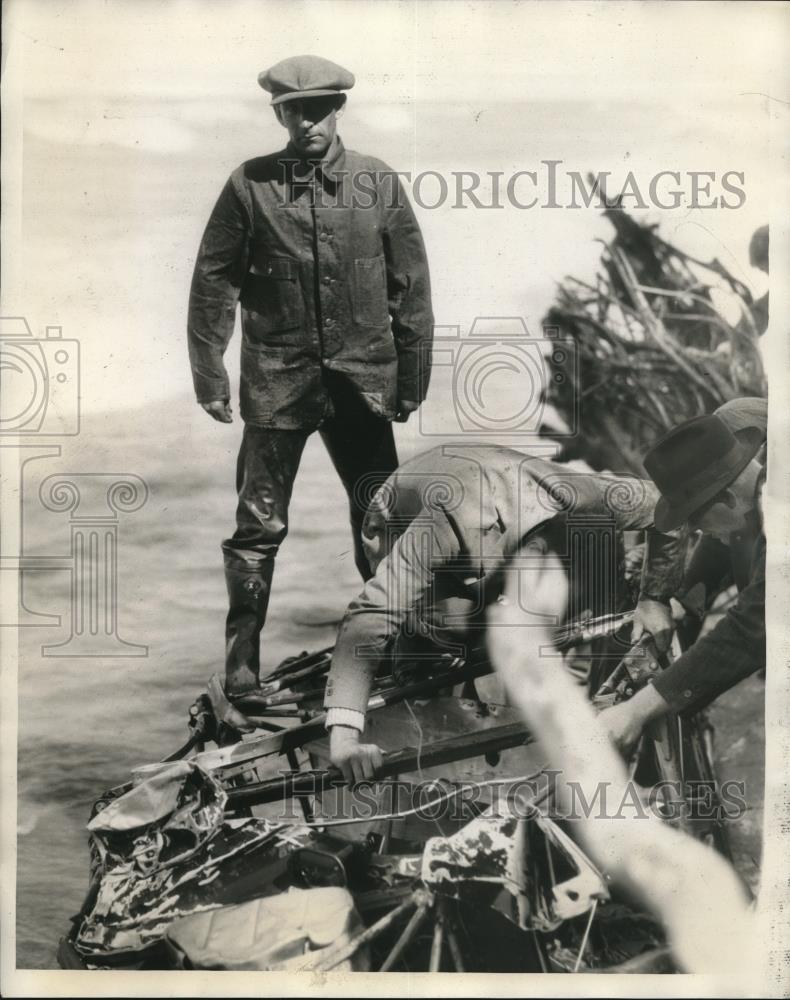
(374, 617)
(409, 293)
(664, 562)
(220, 270)
(631, 502)
(731, 651)
(401, 579)
(662, 574)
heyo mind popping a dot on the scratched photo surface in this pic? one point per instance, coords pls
(131, 117)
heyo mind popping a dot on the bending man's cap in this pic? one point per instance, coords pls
(305, 76)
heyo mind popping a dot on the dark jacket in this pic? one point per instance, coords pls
(462, 511)
(735, 646)
(331, 272)
(733, 649)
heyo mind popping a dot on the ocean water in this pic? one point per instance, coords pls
(84, 722)
(116, 194)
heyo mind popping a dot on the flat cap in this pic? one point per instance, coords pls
(304, 76)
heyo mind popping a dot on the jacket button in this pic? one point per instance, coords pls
(687, 693)
(327, 280)
(322, 237)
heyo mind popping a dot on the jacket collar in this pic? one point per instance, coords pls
(329, 167)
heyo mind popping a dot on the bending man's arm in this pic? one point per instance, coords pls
(401, 579)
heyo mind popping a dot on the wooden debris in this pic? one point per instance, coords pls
(652, 346)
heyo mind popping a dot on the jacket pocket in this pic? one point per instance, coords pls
(273, 294)
(369, 290)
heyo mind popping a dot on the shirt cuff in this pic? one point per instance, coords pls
(345, 717)
(677, 689)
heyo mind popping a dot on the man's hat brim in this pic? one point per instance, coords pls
(303, 95)
(670, 513)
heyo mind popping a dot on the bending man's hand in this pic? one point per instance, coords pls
(220, 410)
(654, 617)
(627, 720)
(358, 761)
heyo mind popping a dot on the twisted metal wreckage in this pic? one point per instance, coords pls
(183, 875)
(200, 861)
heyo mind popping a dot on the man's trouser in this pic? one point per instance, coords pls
(362, 448)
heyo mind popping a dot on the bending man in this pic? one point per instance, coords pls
(438, 534)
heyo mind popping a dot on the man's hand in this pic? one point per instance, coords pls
(220, 410)
(654, 617)
(624, 726)
(356, 760)
(626, 721)
(405, 408)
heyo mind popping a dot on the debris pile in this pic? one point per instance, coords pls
(653, 346)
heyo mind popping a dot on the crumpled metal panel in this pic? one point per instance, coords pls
(503, 862)
(163, 849)
(132, 910)
(154, 794)
(168, 814)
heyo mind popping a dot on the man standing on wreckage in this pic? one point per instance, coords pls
(440, 530)
(322, 249)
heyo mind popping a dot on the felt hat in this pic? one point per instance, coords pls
(694, 462)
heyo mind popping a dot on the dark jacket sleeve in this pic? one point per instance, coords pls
(732, 650)
(664, 562)
(408, 290)
(220, 269)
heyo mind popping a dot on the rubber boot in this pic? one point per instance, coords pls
(249, 585)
